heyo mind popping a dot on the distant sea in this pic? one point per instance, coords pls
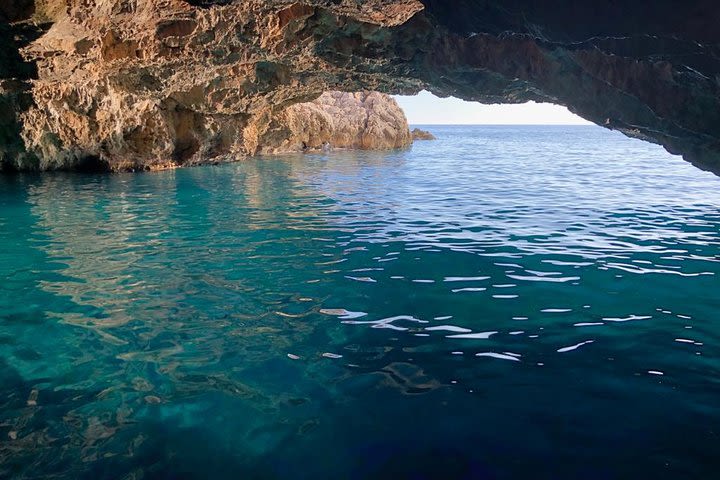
(506, 302)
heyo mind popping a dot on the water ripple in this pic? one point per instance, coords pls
(169, 322)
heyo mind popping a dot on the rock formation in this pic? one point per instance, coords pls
(418, 134)
(126, 84)
(365, 120)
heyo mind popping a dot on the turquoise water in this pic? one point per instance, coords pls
(505, 302)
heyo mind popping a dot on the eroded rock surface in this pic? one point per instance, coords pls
(126, 84)
(419, 134)
(363, 120)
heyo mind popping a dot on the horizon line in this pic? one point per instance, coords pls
(505, 124)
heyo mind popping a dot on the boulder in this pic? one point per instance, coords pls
(418, 134)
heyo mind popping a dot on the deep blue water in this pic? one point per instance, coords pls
(503, 303)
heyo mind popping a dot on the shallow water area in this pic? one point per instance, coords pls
(504, 302)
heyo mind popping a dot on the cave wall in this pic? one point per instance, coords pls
(126, 84)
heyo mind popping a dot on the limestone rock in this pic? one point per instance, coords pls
(363, 120)
(418, 134)
(130, 84)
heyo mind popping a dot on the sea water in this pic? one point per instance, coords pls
(502, 303)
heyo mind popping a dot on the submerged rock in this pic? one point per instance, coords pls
(418, 134)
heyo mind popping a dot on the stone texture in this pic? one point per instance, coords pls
(126, 84)
(364, 120)
(418, 134)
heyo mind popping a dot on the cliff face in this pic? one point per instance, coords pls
(135, 84)
(364, 120)
(128, 84)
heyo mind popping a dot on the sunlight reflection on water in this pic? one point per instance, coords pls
(547, 284)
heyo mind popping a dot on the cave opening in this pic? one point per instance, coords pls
(425, 108)
(359, 283)
(546, 141)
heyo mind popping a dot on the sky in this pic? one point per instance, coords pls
(427, 109)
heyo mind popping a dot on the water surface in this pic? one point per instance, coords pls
(505, 302)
